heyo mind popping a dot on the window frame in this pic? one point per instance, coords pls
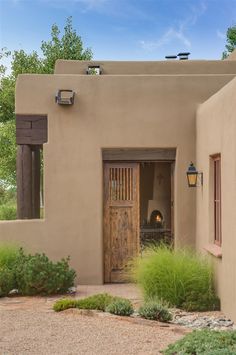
(217, 199)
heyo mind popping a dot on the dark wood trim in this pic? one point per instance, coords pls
(139, 154)
(24, 181)
(31, 129)
(36, 182)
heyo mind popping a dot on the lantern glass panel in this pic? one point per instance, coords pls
(192, 179)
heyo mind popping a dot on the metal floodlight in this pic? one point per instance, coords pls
(65, 97)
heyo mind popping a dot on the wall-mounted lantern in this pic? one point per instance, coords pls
(193, 176)
(65, 97)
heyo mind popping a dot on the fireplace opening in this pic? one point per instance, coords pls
(155, 203)
(156, 219)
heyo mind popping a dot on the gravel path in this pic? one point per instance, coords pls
(28, 326)
(37, 332)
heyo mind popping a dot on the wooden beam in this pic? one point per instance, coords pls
(31, 129)
(24, 182)
(36, 182)
(139, 154)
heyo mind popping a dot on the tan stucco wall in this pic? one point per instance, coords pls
(109, 111)
(167, 67)
(216, 132)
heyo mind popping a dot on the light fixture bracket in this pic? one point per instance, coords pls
(65, 97)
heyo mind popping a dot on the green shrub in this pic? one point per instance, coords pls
(102, 302)
(205, 342)
(62, 305)
(8, 212)
(99, 302)
(8, 258)
(179, 277)
(201, 303)
(8, 255)
(96, 302)
(155, 310)
(36, 274)
(7, 281)
(120, 307)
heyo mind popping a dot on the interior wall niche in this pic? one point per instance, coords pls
(31, 134)
(155, 191)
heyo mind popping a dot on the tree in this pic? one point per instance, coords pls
(67, 46)
(7, 154)
(231, 41)
(70, 46)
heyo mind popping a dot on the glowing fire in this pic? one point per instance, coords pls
(158, 219)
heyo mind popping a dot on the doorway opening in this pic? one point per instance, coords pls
(138, 206)
(156, 202)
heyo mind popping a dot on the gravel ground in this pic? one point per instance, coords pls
(43, 331)
(29, 326)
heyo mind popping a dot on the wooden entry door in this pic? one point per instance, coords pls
(121, 218)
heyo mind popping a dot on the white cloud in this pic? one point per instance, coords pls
(220, 34)
(170, 35)
(178, 32)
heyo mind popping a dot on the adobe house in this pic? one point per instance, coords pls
(116, 148)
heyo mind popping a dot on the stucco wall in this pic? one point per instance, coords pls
(109, 111)
(216, 131)
(166, 67)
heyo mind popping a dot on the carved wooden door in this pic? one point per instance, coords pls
(121, 218)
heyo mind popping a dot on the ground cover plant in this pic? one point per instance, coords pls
(204, 342)
(33, 274)
(180, 277)
(102, 302)
(120, 307)
(155, 310)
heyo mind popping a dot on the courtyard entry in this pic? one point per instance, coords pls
(121, 218)
(138, 209)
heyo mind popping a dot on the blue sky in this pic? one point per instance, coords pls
(123, 29)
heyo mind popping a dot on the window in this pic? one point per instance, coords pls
(94, 70)
(217, 198)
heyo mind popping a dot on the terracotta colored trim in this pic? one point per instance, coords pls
(214, 250)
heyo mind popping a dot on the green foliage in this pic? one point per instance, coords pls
(8, 212)
(33, 274)
(8, 153)
(7, 98)
(7, 203)
(179, 277)
(120, 307)
(36, 274)
(99, 302)
(62, 305)
(23, 63)
(102, 302)
(201, 302)
(96, 302)
(231, 41)
(205, 342)
(8, 256)
(69, 46)
(155, 310)
(7, 281)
